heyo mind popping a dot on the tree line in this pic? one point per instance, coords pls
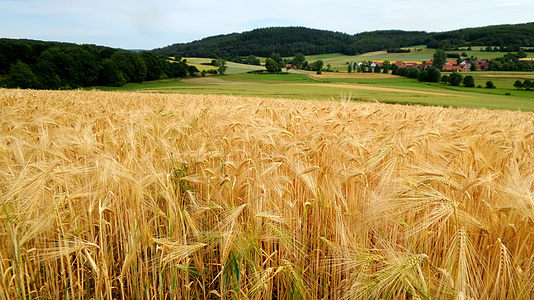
(288, 41)
(512, 37)
(511, 62)
(51, 65)
(527, 85)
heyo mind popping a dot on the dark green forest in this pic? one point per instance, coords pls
(287, 41)
(54, 65)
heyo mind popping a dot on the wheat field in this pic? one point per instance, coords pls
(149, 196)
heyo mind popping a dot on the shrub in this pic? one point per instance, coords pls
(455, 79)
(433, 74)
(490, 85)
(528, 85)
(469, 81)
(413, 72)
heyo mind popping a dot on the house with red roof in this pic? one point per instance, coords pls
(449, 67)
(425, 65)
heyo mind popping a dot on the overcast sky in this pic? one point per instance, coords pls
(138, 24)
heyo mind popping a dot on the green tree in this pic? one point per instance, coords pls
(518, 84)
(21, 76)
(433, 74)
(271, 65)
(445, 79)
(46, 73)
(469, 81)
(253, 61)
(222, 67)
(473, 67)
(527, 84)
(349, 68)
(110, 74)
(155, 66)
(131, 65)
(279, 61)
(386, 65)
(298, 60)
(455, 79)
(413, 72)
(317, 65)
(490, 85)
(73, 65)
(378, 69)
(439, 59)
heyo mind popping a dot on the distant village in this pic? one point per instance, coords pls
(450, 65)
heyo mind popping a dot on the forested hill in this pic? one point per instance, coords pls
(287, 41)
(262, 42)
(54, 65)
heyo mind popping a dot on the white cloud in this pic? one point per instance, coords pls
(151, 24)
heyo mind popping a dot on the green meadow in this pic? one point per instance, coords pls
(366, 87)
(340, 85)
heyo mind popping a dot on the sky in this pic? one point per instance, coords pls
(138, 24)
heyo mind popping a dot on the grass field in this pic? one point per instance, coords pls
(359, 87)
(233, 68)
(107, 195)
(339, 61)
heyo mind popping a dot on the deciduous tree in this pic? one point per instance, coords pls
(490, 85)
(439, 59)
(317, 65)
(222, 67)
(455, 79)
(469, 81)
(298, 60)
(433, 74)
(22, 76)
(271, 65)
(253, 60)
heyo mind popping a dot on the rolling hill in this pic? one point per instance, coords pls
(287, 41)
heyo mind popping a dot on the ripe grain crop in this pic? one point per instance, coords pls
(149, 196)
